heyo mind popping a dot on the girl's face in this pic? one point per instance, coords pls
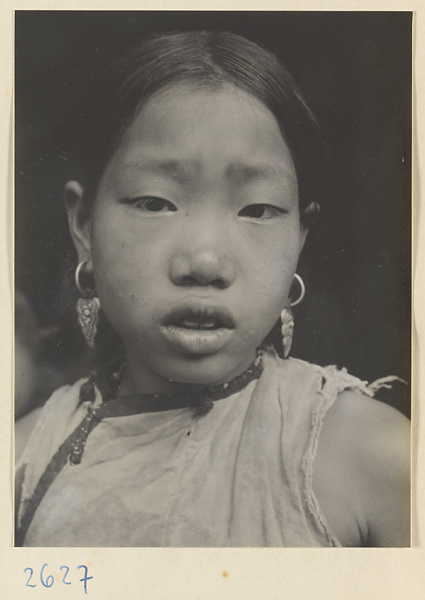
(195, 235)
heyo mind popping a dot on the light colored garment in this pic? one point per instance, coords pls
(239, 476)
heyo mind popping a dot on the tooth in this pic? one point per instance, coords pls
(211, 323)
(199, 323)
(190, 323)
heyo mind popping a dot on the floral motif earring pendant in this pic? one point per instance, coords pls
(287, 329)
(87, 309)
(287, 319)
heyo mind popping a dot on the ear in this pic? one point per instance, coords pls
(79, 224)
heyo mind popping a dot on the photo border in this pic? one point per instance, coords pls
(206, 573)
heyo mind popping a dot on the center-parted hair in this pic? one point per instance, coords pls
(121, 87)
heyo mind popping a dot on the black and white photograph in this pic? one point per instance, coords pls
(212, 298)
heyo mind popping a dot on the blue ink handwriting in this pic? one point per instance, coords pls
(47, 580)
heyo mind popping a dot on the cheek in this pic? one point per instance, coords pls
(130, 273)
(273, 268)
(117, 281)
(120, 255)
(271, 276)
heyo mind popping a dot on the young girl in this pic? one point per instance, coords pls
(188, 224)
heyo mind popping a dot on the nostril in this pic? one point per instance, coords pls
(219, 283)
(204, 268)
(188, 281)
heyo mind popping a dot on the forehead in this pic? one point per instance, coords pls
(187, 131)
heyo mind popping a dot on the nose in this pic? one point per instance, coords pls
(202, 267)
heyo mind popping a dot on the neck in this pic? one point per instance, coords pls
(138, 377)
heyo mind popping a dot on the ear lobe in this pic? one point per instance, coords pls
(79, 224)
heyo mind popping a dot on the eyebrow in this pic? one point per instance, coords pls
(173, 168)
(182, 170)
(241, 172)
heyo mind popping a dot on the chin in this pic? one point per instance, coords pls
(204, 369)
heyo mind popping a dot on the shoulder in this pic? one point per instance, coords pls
(323, 385)
(45, 426)
(294, 371)
(329, 379)
(57, 418)
(364, 459)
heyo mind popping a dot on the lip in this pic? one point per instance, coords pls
(202, 308)
(198, 341)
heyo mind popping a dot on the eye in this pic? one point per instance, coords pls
(261, 211)
(151, 204)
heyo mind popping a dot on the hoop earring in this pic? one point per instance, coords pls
(87, 308)
(287, 319)
(302, 290)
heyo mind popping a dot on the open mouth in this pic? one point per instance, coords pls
(201, 316)
(199, 323)
(198, 327)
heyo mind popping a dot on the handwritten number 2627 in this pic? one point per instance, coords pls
(48, 580)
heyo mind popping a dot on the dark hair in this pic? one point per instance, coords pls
(206, 59)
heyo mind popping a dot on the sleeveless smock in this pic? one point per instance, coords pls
(239, 476)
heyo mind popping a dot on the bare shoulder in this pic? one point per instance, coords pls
(23, 429)
(363, 465)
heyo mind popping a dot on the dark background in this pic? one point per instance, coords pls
(355, 71)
